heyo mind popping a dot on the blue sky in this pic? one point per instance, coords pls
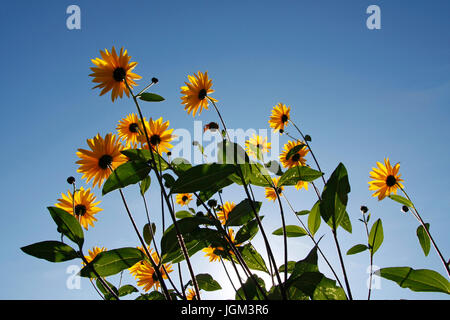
(361, 94)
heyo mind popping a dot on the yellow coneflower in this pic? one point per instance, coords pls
(183, 199)
(196, 93)
(225, 211)
(386, 179)
(129, 130)
(110, 72)
(279, 117)
(210, 254)
(257, 146)
(301, 184)
(297, 159)
(84, 204)
(190, 295)
(270, 191)
(104, 155)
(93, 253)
(158, 134)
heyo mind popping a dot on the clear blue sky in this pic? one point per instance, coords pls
(361, 94)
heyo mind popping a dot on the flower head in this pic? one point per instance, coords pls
(279, 117)
(385, 179)
(104, 155)
(257, 145)
(158, 134)
(196, 93)
(129, 129)
(271, 193)
(214, 254)
(183, 199)
(111, 70)
(146, 275)
(84, 205)
(93, 253)
(295, 159)
(190, 295)
(225, 211)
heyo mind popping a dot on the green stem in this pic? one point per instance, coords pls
(419, 218)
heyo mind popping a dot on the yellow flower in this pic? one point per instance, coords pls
(104, 155)
(225, 211)
(297, 159)
(257, 145)
(196, 93)
(386, 179)
(279, 117)
(111, 71)
(191, 294)
(129, 130)
(183, 199)
(84, 204)
(145, 274)
(301, 184)
(271, 193)
(158, 134)
(212, 253)
(93, 253)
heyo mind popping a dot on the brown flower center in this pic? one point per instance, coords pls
(391, 181)
(202, 94)
(184, 199)
(133, 127)
(80, 210)
(119, 74)
(105, 161)
(284, 118)
(296, 157)
(155, 139)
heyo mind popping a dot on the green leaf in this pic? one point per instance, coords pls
(291, 266)
(257, 175)
(126, 290)
(345, 223)
(253, 259)
(335, 197)
(423, 238)
(144, 155)
(205, 195)
(183, 214)
(294, 150)
(314, 219)
(401, 200)
(154, 295)
(130, 172)
(318, 287)
(421, 280)
(53, 251)
(169, 180)
(110, 262)
(357, 249)
(105, 291)
(149, 233)
(249, 290)
(243, 213)
(199, 177)
(248, 231)
(274, 167)
(67, 225)
(231, 153)
(206, 282)
(299, 173)
(376, 236)
(145, 184)
(309, 264)
(291, 231)
(151, 97)
(302, 212)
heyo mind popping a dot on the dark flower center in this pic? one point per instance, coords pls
(258, 146)
(296, 157)
(133, 127)
(184, 198)
(391, 181)
(105, 161)
(155, 139)
(80, 210)
(202, 94)
(284, 118)
(119, 74)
